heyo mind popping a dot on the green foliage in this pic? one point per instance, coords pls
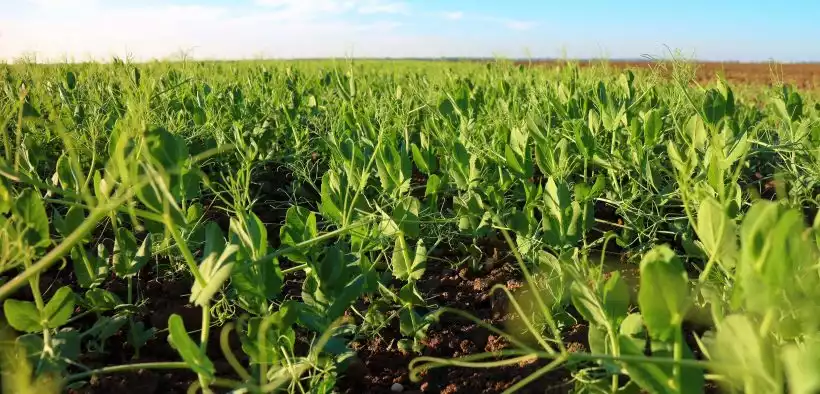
(359, 182)
(664, 292)
(192, 354)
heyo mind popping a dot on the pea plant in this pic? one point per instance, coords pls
(308, 208)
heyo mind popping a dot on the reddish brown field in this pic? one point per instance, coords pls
(801, 75)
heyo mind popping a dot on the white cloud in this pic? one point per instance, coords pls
(317, 7)
(453, 16)
(284, 29)
(54, 30)
(508, 23)
(377, 7)
(51, 4)
(519, 25)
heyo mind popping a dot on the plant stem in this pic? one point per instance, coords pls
(309, 242)
(677, 353)
(294, 269)
(206, 326)
(186, 253)
(766, 324)
(125, 368)
(528, 277)
(131, 326)
(154, 217)
(60, 250)
(34, 284)
(224, 343)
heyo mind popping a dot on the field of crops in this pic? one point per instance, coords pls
(376, 227)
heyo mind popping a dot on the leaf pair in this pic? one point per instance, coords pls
(409, 264)
(394, 170)
(215, 267)
(518, 153)
(564, 220)
(337, 199)
(127, 258)
(24, 316)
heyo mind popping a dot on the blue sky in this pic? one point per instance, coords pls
(786, 30)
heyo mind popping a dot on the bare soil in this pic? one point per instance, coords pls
(801, 75)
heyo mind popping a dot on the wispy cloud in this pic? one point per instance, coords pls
(453, 16)
(513, 24)
(377, 7)
(316, 7)
(520, 25)
(100, 29)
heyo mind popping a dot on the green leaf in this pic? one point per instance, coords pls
(409, 295)
(598, 340)
(59, 308)
(70, 80)
(192, 354)
(691, 378)
(584, 192)
(677, 161)
(738, 344)
(30, 209)
(351, 291)
(90, 270)
(200, 117)
(584, 140)
(816, 228)
(587, 304)
(106, 327)
(100, 300)
(632, 325)
(653, 124)
(790, 111)
(515, 162)
(434, 183)
(169, 150)
(519, 139)
(564, 222)
(5, 198)
(594, 121)
(715, 172)
(257, 283)
(409, 265)
(73, 219)
(65, 174)
(22, 315)
(214, 240)
(802, 364)
(775, 254)
(717, 233)
(664, 292)
(714, 106)
(406, 216)
(250, 234)
(125, 251)
(138, 335)
(460, 166)
(648, 376)
(330, 271)
(424, 158)
(394, 169)
(215, 270)
(66, 344)
(615, 298)
(331, 202)
(696, 131)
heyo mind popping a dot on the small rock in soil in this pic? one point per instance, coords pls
(396, 388)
